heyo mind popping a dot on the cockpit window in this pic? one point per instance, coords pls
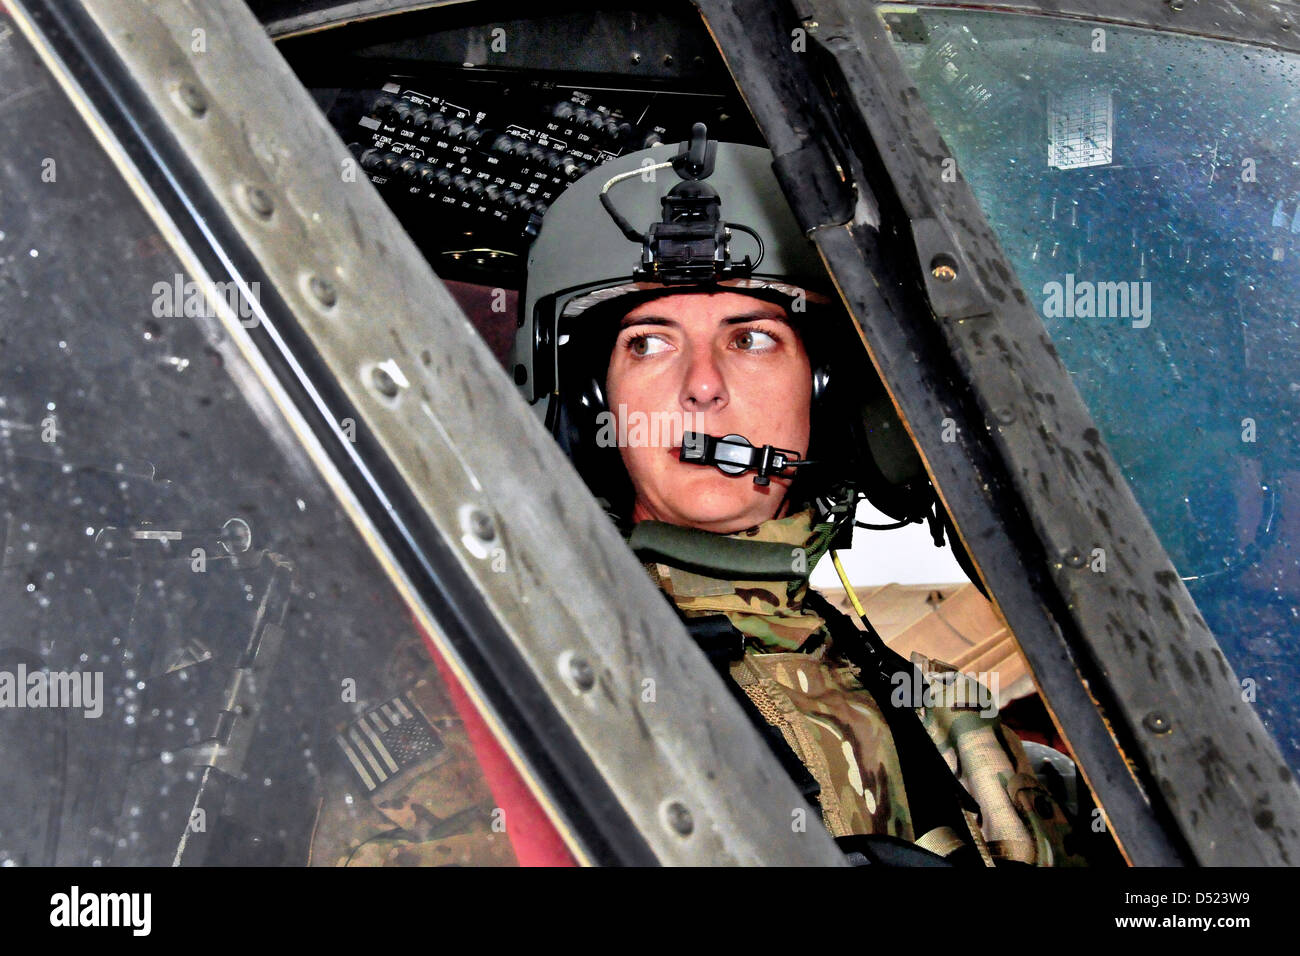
(201, 661)
(1145, 188)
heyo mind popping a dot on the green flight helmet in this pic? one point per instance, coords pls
(582, 258)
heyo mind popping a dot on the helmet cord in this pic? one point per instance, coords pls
(624, 226)
(762, 249)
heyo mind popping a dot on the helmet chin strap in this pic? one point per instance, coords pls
(735, 455)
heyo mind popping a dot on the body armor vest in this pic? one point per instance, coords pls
(887, 773)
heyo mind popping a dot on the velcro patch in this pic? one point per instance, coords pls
(388, 740)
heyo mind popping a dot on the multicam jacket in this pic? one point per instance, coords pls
(806, 688)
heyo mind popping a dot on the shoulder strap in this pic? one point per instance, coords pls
(934, 796)
(722, 643)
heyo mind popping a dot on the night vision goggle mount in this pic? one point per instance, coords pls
(692, 243)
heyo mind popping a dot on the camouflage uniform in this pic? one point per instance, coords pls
(837, 728)
(405, 788)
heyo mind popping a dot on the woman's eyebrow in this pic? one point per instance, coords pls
(755, 316)
(647, 320)
(730, 320)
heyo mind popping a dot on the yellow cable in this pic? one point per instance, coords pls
(844, 579)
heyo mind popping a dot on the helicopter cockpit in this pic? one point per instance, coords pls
(295, 544)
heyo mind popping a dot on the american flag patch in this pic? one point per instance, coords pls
(388, 739)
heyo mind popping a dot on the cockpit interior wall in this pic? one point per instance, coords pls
(470, 130)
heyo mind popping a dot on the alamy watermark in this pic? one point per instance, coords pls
(186, 298)
(946, 689)
(1102, 300)
(77, 690)
(76, 909)
(638, 429)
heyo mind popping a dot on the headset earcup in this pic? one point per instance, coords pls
(593, 397)
(577, 425)
(821, 380)
(808, 485)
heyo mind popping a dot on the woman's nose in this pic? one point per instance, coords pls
(704, 387)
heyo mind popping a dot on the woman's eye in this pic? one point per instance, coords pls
(642, 345)
(754, 340)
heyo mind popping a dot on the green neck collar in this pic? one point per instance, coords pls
(738, 556)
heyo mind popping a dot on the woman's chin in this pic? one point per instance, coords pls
(726, 504)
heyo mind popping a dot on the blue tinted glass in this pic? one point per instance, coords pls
(1146, 188)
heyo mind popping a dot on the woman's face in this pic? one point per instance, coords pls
(719, 363)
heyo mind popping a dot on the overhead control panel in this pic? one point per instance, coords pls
(470, 166)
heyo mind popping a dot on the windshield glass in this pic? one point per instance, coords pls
(201, 660)
(1146, 189)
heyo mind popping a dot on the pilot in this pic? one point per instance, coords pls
(689, 367)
